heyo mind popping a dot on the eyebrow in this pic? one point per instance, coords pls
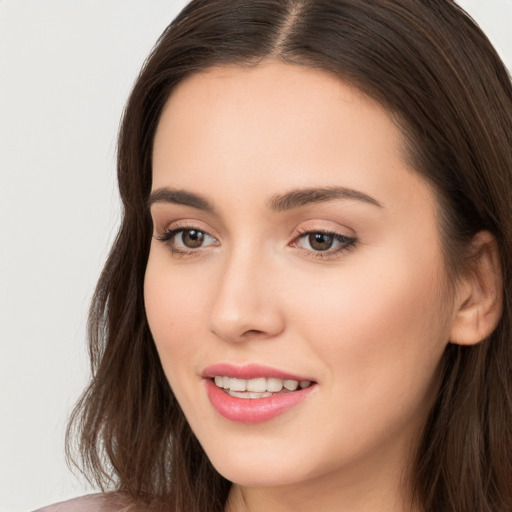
(167, 195)
(282, 202)
(303, 197)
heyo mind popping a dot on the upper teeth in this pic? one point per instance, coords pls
(260, 385)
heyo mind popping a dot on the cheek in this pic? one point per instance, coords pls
(174, 302)
(381, 322)
(172, 311)
(380, 337)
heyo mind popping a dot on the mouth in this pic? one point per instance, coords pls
(254, 393)
(260, 387)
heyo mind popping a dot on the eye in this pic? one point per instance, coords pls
(186, 240)
(324, 243)
(191, 238)
(320, 241)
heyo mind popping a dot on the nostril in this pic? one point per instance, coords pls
(252, 332)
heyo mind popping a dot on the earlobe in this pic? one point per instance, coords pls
(480, 294)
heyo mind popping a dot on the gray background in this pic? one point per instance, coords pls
(66, 68)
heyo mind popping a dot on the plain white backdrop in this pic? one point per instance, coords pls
(66, 69)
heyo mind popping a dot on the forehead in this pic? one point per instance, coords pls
(247, 99)
(275, 125)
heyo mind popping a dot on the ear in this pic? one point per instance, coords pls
(479, 297)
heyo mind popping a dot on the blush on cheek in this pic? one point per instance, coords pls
(372, 319)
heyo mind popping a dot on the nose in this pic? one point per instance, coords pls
(246, 303)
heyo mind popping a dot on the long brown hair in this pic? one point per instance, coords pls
(429, 64)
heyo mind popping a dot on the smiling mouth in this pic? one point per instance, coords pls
(260, 387)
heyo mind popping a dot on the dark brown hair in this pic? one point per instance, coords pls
(429, 64)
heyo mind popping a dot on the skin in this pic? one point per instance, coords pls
(369, 323)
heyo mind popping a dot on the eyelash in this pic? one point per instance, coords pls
(346, 242)
(168, 235)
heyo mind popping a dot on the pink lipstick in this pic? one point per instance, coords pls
(254, 393)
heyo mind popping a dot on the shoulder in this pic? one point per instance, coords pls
(91, 503)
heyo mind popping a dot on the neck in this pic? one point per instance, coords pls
(364, 487)
(300, 499)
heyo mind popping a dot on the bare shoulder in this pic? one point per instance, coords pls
(91, 503)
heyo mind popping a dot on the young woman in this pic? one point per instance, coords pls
(308, 303)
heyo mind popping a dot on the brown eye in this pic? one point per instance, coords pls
(320, 241)
(186, 240)
(192, 238)
(324, 243)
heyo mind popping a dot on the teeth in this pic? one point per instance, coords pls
(258, 388)
(237, 384)
(291, 385)
(257, 385)
(249, 394)
(274, 385)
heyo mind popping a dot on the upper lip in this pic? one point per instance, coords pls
(249, 371)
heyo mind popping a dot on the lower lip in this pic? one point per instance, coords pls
(253, 410)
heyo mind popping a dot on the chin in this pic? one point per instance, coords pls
(256, 462)
(259, 474)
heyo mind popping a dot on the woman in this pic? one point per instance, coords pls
(307, 306)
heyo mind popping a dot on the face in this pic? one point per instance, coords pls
(295, 254)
